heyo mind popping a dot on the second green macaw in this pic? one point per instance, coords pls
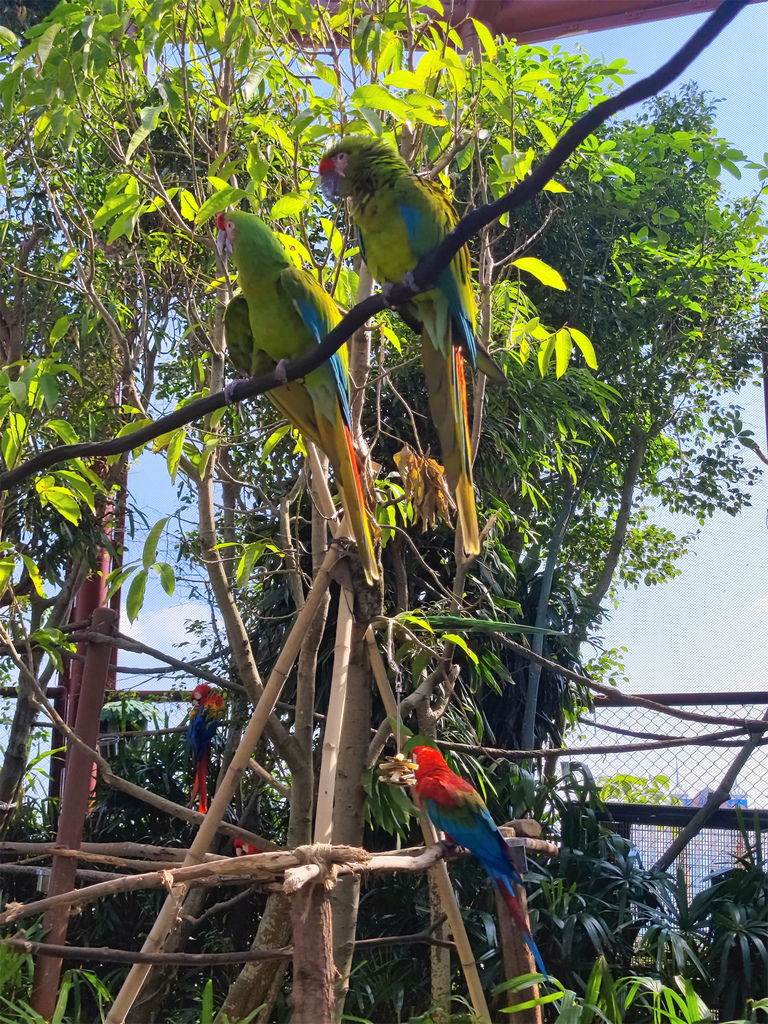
(282, 313)
(401, 217)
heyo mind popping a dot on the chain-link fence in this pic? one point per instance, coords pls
(648, 783)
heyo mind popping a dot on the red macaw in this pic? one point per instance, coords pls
(207, 710)
(456, 807)
(243, 849)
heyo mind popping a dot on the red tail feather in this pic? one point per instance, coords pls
(200, 785)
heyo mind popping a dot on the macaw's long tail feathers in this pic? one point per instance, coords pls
(353, 500)
(510, 901)
(200, 785)
(447, 390)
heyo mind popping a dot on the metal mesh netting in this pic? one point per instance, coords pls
(680, 775)
(675, 776)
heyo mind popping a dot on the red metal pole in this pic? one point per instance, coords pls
(77, 795)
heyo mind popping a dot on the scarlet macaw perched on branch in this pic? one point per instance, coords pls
(282, 313)
(454, 806)
(207, 711)
(401, 217)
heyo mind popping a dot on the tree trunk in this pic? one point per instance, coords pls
(349, 806)
(439, 957)
(259, 980)
(634, 465)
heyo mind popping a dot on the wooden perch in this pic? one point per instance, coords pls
(300, 866)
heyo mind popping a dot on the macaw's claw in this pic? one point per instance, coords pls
(280, 373)
(229, 392)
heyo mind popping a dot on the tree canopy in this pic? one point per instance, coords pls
(623, 304)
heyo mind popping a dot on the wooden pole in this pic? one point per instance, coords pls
(77, 795)
(335, 720)
(312, 997)
(169, 913)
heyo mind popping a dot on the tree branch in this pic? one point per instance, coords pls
(423, 275)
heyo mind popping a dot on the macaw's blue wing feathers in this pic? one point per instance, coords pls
(456, 808)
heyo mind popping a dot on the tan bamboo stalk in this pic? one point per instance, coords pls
(455, 920)
(380, 674)
(335, 721)
(441, 877)
(170, 910)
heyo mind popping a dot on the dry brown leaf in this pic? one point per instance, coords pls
(425, 487)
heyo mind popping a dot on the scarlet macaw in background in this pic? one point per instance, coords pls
(401, 217)
(456, 807)
(283, 313)
(207, 711)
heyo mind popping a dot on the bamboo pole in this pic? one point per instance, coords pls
(344, 621)
(440, 871)
(335, 721)
(456, 922)
(169, 913)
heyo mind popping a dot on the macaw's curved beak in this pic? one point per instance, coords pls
(329, 185)
(223, 243)
(330, 180)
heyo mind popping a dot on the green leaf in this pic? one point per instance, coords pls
(546, 133)
(62, 500)
(34, 575)
(63, 430)
(403, 79)
(486, 39)
(379, 98)
(45, 45)
(7, 38)
(273, 440)
(254, 78)
(59, 329)
(135, 598)
(541, 271)
(555, 186)
(586, 347)
(545, 354)
(19, 391)
(219, 201)
(563, 349)
(167, 577)
(175, 448)
(188, 204)
(149, 554)
(149, 117)
(462, 643)
(7, 565)
(3, 171)
(289, 205)
(245, 565)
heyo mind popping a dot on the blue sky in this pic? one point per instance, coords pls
(707, 629)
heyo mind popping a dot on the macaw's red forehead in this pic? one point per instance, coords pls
(201, 690)
(428, 757)
(327, 166)
(221, 222)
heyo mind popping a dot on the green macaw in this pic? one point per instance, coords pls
(288, 312)
(401, 217)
